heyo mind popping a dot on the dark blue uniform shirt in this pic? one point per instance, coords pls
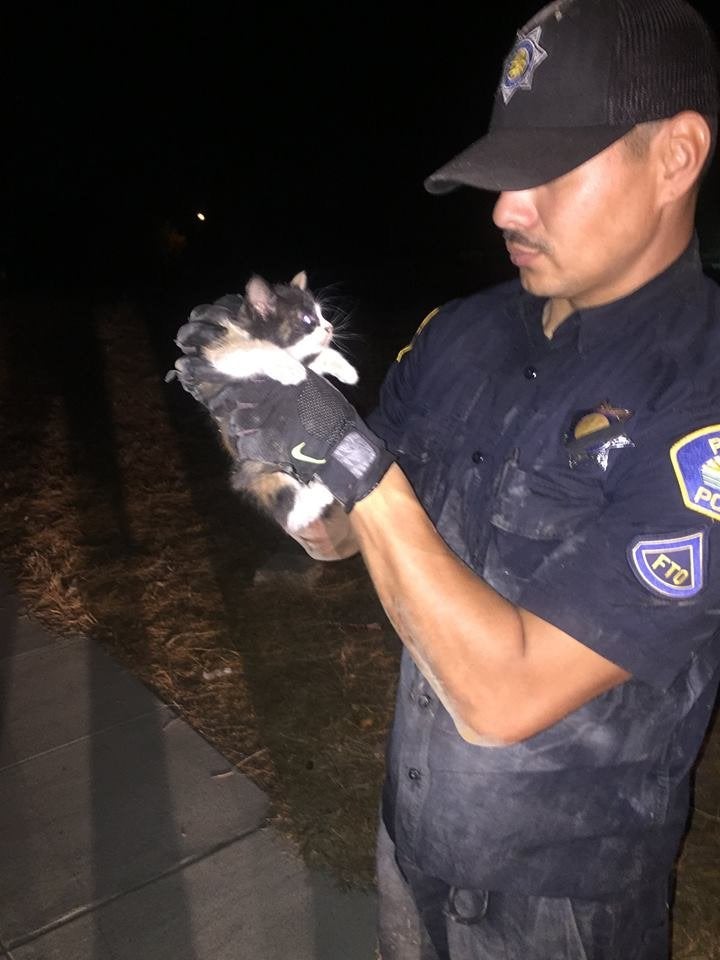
(622, 553)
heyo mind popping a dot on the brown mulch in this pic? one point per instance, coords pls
(117, 522)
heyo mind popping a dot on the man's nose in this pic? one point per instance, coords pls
(515, 210)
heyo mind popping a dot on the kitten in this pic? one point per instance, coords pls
(276, 331)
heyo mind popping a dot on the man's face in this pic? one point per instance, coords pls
(590, 236)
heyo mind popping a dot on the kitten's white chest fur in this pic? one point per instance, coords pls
(262, 358)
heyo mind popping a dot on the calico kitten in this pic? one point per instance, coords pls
(277, 331)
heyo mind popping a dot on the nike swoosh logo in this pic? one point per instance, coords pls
(297, 452)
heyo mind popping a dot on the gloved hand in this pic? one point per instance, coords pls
(307, 429)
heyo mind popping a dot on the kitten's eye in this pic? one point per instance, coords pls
(310, 321)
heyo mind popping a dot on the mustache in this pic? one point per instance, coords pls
(514, 236)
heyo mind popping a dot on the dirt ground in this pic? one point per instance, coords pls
(116, 521)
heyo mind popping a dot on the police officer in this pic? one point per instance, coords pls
(537, 500)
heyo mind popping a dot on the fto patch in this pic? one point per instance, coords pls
(696, 462)
(671, 567)
(521, 64)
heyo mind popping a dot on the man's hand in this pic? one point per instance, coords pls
(308, 429)
(329, 538)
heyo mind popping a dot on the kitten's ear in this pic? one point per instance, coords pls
(299, 280)
(260, 296)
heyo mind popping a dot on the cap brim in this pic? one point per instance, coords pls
(523, 158)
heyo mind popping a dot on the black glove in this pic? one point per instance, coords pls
(307, 429)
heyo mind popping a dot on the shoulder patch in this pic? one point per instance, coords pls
(671, 567)
(422, 326)
(696, 462)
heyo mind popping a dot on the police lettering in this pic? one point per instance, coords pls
(674, 573)
(714, 444)
(703, 495)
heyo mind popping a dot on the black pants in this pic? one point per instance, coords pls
(421, 918)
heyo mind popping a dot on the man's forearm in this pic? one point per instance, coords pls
(501, 672)
(442, 611)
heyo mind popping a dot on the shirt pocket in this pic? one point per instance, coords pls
(532, 512)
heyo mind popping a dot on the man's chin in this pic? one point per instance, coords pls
(534, 283)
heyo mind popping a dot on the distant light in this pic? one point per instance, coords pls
(200, 215)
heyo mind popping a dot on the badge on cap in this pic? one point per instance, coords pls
(672, 567)
(521, 64)
(696, 462)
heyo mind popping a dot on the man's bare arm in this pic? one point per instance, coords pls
(502, 673)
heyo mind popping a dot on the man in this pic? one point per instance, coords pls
(537, 500)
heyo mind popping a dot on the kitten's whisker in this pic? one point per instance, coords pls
(346, 335)
(341, 332)
(343, 324)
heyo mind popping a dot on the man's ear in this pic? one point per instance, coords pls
(685, 146)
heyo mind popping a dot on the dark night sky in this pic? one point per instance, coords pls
(304, 135)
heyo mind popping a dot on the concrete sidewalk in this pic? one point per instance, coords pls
(125, 836)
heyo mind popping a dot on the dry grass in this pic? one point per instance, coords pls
(116, 521)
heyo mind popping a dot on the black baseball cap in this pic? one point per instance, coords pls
(582, 74)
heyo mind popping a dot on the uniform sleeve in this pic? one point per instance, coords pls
(640, 582)
(403, 381)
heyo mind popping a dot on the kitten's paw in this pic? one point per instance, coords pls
(334, 363)
(349, 375)
(310, 501)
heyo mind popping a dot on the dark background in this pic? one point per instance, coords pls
(303, 134)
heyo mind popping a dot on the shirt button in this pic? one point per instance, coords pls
(424, 701)
(414, 773)
(478, 457)
(530, 373)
